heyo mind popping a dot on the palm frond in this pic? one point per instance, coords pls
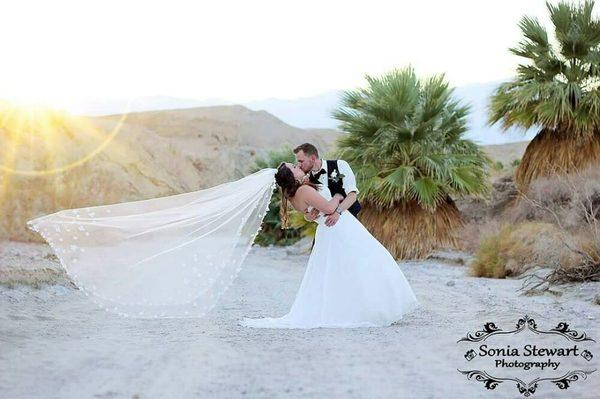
(405, 140)
(557, 86)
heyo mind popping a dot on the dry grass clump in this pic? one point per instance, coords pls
(515, 248)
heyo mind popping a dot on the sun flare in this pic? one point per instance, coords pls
(37, 140)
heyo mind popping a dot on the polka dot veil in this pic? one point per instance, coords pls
(163, 257)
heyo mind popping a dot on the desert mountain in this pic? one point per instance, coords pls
(154, 154)
(315, 111)
(506, 153)
(222, 141)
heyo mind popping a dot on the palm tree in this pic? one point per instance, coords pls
(405, 142)
(556, 91)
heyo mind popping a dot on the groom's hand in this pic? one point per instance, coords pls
(332, 219)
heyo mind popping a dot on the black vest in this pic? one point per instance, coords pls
(337, 187)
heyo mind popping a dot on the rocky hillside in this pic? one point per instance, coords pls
(154, 154)
(222, 140)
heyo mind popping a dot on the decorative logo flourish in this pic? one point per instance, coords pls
(526, 322)
(527, 389)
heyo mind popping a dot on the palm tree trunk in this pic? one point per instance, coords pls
(410, 232)
(550, 153)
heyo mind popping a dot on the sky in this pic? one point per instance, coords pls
(59, 51)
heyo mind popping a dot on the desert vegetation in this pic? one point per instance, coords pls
(555, 225)
(404, 140)
(555, 90)
(552, 219)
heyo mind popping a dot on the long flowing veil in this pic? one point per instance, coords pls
(171, 256)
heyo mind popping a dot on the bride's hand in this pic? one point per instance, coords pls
(339, 197)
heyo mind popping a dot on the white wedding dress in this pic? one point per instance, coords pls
(351, 280)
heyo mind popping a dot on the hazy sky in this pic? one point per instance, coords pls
(245, 50)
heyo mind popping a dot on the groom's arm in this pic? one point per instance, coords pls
(345, 204)
(348, 201)
(349, 184)
(349, 180)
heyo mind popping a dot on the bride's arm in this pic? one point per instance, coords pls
(311, 197)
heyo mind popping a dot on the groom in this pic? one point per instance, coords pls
(335, 174)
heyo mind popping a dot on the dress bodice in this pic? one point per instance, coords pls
(324, 191)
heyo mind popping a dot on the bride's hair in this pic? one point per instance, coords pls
(285, 179)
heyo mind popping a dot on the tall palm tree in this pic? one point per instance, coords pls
(405, 141)
(555, 90)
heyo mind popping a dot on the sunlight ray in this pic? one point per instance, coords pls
(22, 121)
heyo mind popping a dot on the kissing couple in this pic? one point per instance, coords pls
(351, 280)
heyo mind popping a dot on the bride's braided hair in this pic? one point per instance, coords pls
(285, 179)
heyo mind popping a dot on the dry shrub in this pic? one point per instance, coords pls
(585, 266)
(489, 260)
(515, 248)
(571, 201)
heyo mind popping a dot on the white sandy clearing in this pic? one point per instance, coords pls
(55, 343)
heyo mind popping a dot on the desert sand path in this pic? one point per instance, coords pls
(54, 343)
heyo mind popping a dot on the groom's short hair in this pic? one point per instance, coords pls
(308, 149)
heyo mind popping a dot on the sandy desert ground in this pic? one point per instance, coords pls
(56, 344)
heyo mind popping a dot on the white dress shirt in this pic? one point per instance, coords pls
(348, 181)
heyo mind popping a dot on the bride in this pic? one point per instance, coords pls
(351, 280)
(175, 256)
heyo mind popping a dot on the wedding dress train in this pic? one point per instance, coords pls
(351, 280)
